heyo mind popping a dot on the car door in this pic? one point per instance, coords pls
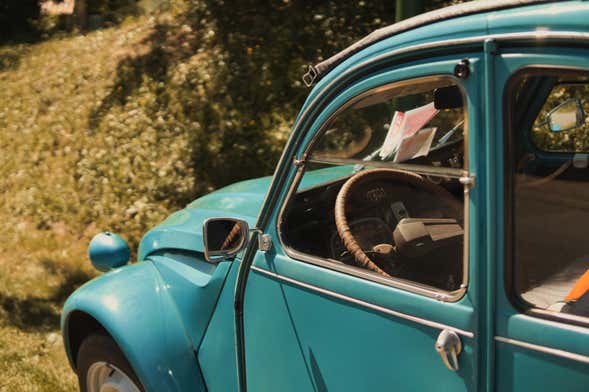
(541, 327)
(315, 323)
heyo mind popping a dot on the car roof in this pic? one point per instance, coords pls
(317, 71)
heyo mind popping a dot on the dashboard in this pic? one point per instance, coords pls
(373, 212)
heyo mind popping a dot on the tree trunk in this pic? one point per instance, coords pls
(408, 8)
(81, 14)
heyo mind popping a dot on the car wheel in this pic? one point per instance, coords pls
(102, 367)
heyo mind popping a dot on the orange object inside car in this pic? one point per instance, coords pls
(579, 289)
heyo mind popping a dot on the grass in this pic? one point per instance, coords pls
(38, 270)
(94, 135)
(48, 92)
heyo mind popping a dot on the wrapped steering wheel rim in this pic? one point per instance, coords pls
(341, 221)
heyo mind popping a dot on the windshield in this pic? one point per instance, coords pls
(421, 122)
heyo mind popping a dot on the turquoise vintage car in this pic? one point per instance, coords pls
(424, 230)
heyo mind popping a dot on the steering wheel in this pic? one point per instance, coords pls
(367, 176)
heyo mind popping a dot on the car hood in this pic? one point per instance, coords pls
(242, 200)
(183, 229)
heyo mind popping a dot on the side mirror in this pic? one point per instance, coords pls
(224, 238)
(568, 115)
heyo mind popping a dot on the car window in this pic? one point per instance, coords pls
(406, 123)
(548, 194)
(380, 193)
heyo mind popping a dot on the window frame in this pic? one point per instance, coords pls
(399, 283)
(515, 298)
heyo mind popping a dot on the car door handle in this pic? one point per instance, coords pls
(449, 347)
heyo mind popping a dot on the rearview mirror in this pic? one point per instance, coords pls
(448, 98)
(224, 238)
(568, 115)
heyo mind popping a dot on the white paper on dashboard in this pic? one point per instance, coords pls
(415, 146)
(404, 125)
(394, 136)
(416, 118)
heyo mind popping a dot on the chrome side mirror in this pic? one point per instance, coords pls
(224, 238)
(566, 116)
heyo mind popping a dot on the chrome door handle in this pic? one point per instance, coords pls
(449, 347)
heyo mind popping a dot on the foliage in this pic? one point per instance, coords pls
(119, 127)
(573, 140)
(17, 19)
(126, 125)
(105, 6)
(113, 11)
(45, 104)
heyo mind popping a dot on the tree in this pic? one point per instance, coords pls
(17, 19)
(408, 8)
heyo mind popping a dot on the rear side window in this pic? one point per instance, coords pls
(547, 193)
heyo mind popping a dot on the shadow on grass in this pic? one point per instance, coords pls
(227, 111)
(130, 75)
(30, 314)
(41, 314)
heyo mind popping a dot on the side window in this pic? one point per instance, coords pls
(548, 190)
(380, 194)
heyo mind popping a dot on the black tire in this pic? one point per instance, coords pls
(102, 348)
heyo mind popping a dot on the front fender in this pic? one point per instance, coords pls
(133, 305)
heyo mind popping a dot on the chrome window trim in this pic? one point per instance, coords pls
(333, 294)
(406, 285)
(560, 318)
(402, 284)
(419, 169)
(546, 350)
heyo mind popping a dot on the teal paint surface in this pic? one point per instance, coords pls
(108, 251)
(133, 304)
(216, 353)
(194, 286)
(335, 345)
(490, 218)
(521, 369)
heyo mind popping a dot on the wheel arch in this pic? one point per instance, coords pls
(133, 307)
(77, 327)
